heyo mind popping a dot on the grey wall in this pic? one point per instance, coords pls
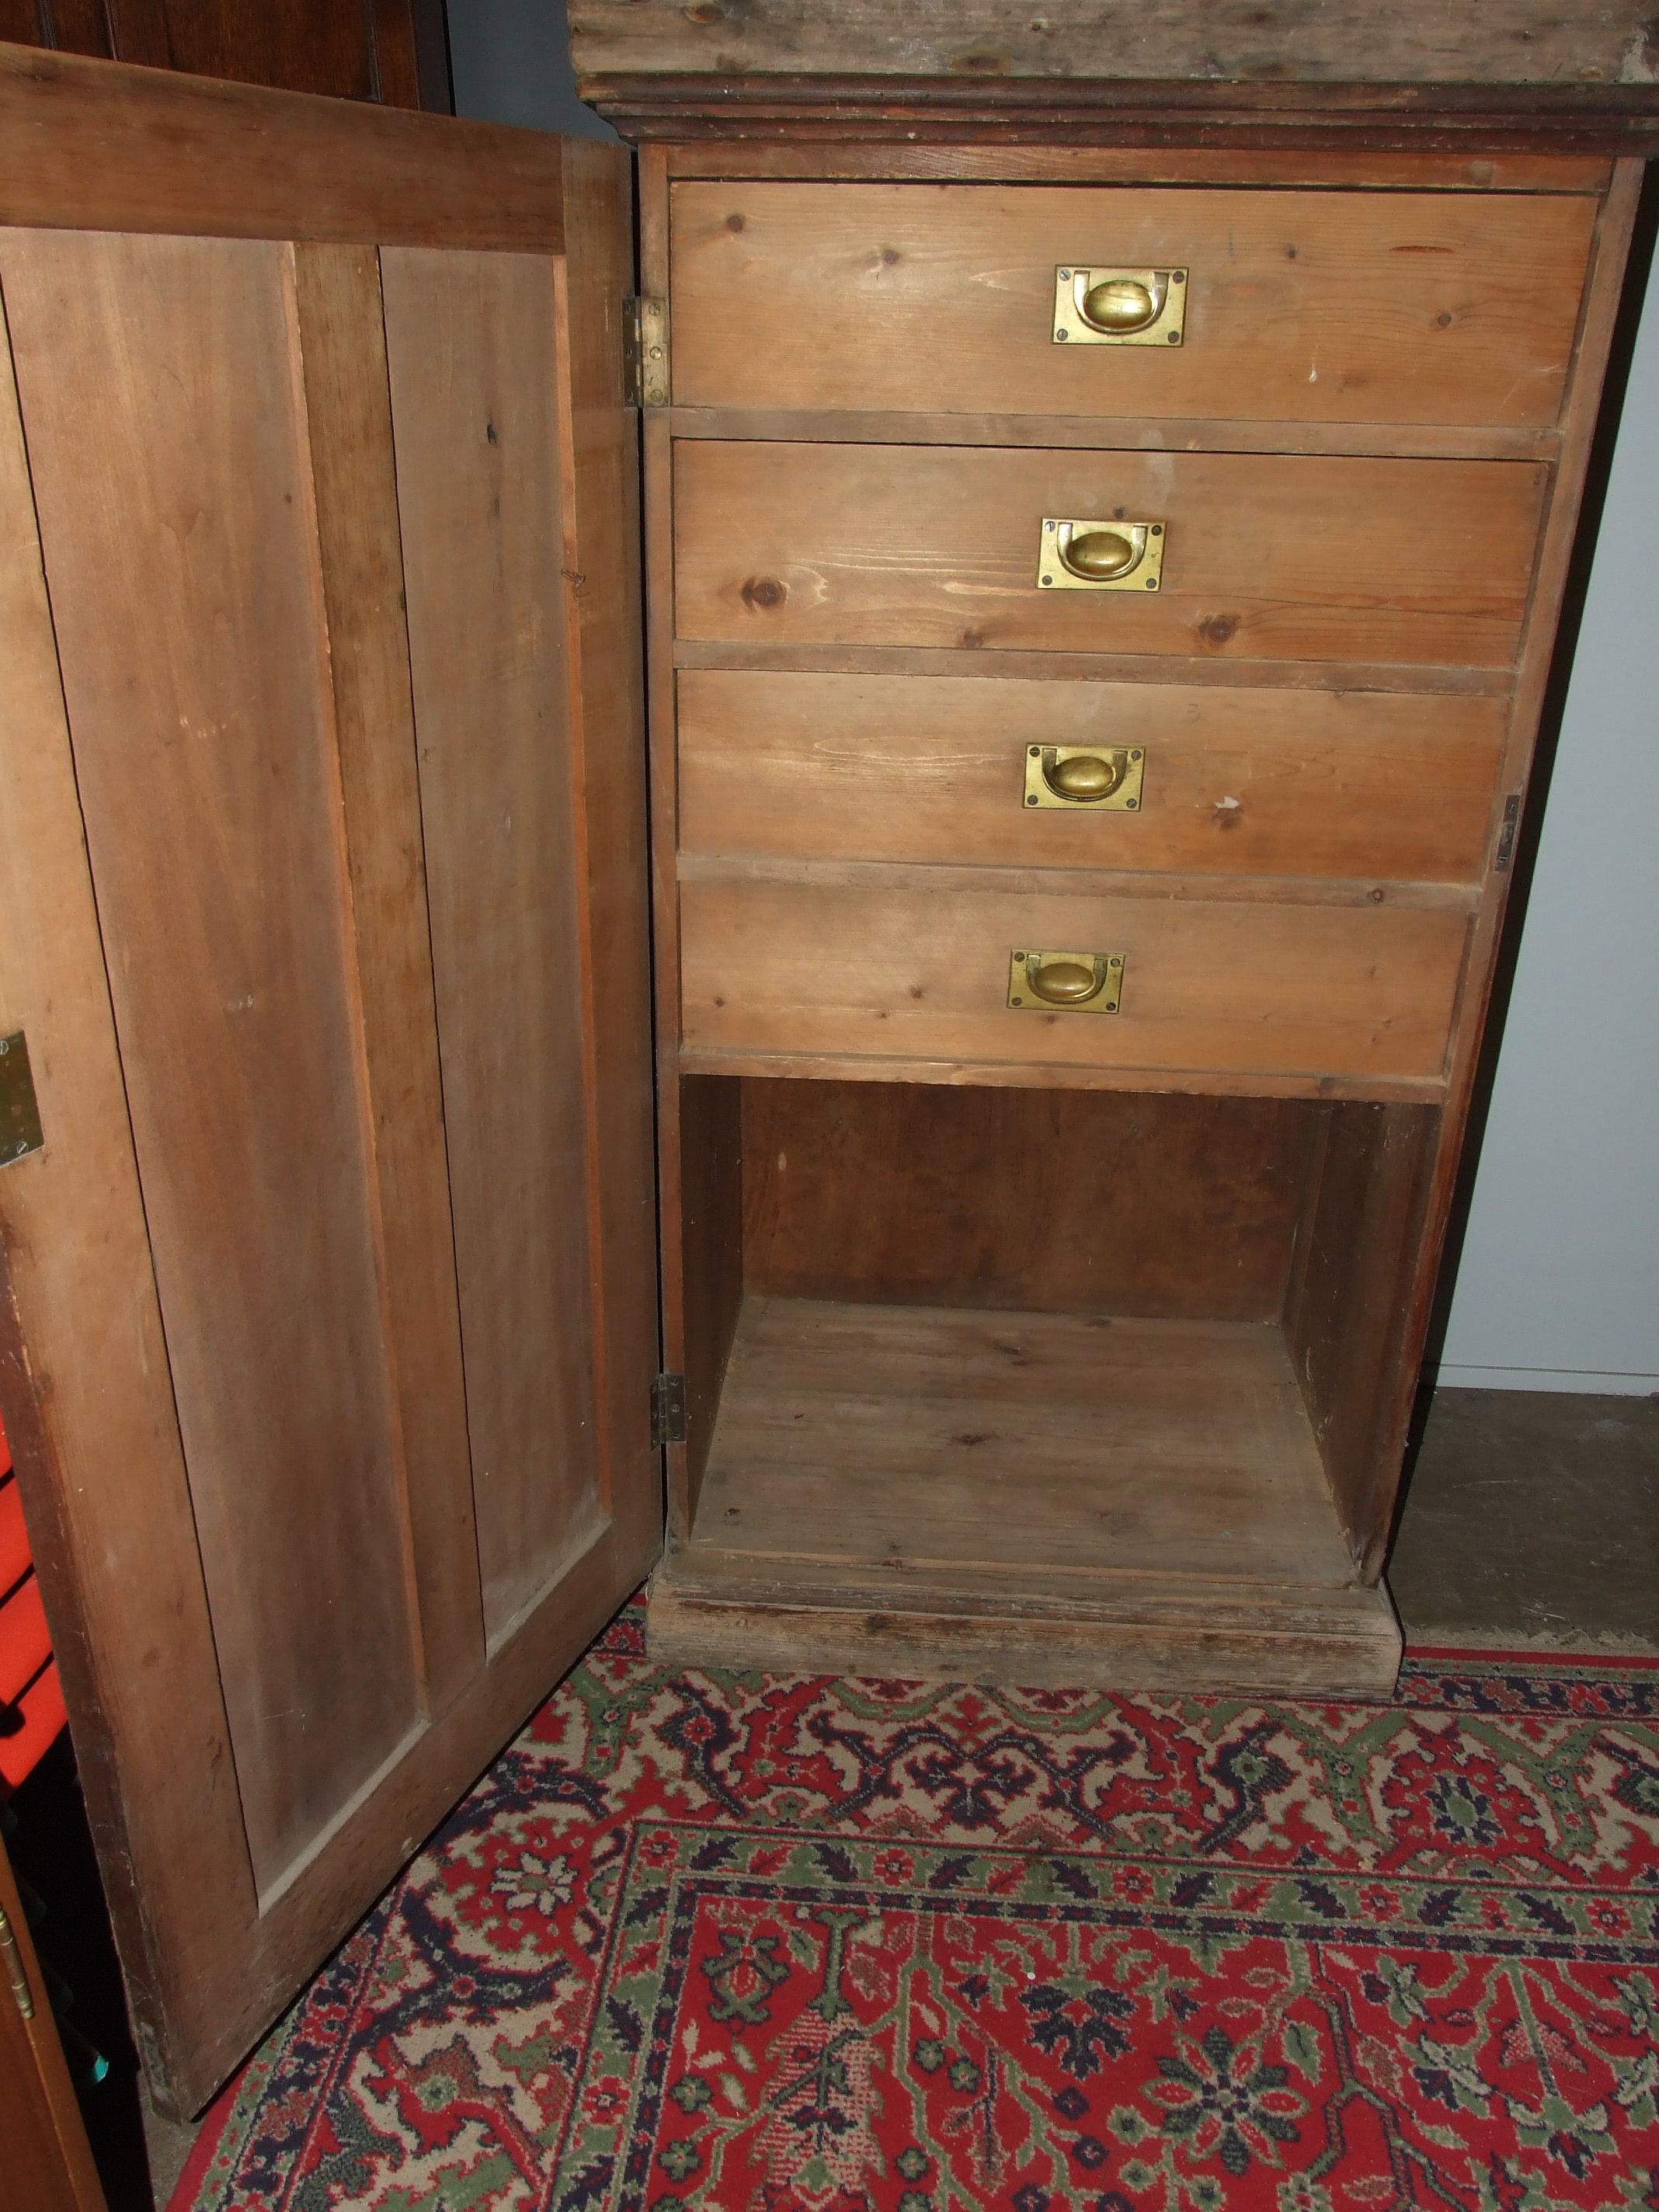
(1558, 1284)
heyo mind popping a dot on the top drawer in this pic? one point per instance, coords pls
(1324, 307)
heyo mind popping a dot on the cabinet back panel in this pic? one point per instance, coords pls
(1050, 1202)
(1266, 556)
(1312, 307)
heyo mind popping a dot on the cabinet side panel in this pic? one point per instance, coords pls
(170, 471)
(469, 338)
(1348, 1322)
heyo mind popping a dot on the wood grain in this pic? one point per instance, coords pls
(203, 746)
(469, 341)
(999, 161)
(1470, 121)
(1156, 434)
(1203, 667)
(1019, 1497)
(1290, 989)
(1327, 306)
(603, 617)
(341, 341)
(1346, 1323)
(1341, 42)
(1236, 782)
(83, 1370)
(1049, 1201)
(89, 144)
(710, 1250)
(1269, 556)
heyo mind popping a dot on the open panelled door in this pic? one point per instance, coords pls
(332, 1288)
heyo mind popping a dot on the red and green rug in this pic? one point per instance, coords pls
(754, 1944)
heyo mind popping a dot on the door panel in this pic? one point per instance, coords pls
(204, 748)
(469, 336)
(333, 1287)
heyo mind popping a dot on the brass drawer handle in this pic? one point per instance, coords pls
(1100, 557)
(1120, 307)
(1066, 982)
(1106, 776)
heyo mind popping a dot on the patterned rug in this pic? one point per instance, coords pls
(766, 1944)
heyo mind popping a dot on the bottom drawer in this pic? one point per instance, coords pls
(1242, 988)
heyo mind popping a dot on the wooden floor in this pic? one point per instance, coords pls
(1034, 1496)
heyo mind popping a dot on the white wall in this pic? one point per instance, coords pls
(1557, 1286)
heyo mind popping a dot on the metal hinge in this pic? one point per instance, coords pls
(667, 1410)
(19, 1113)
(12, 1958)
(645, 327)
(1505, 851)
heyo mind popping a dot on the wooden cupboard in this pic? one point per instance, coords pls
(1067, 994)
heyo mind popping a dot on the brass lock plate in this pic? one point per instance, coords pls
(1107, 778)
(1081, 556)
(1120, 307)
(1066, 982)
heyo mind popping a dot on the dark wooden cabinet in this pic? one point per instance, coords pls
(391, 51)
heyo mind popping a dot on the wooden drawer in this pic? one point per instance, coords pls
(1265, 555)
(1325, 306)
(1234, 781)
(1230, 986)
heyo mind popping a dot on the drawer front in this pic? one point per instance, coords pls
(1207, 984)
(1231, 780)
(1264, 556)
(1326, 306)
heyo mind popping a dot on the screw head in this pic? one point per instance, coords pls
(1031, 801)
(1175, 337)
(1048, 580)
(1036, 751)
(1130, 805)
(1178, 276)
(1063, 334)
(1064, 275)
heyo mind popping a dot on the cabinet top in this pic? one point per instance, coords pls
(1555, 73)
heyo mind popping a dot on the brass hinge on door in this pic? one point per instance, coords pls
(667, 1410)
(646, 347)
(19, 1113)
(12, 1958)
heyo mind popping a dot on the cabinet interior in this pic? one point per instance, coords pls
(1063, 1336)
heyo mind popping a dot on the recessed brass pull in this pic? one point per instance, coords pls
(1106, 776)
(1066, 982)
(1100, 557)
(1120, 307)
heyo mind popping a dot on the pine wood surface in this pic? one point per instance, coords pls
(231, 971)
(1203, 667)
(1236, 782)
(469, 340)
(1163, 1207)
(97, 146)
(1002, 159)
(1073, 1443)
(1340, 41)
(1266, 556)
(1307, 990)
(252, 1508)
(1391, 306)
(1017, 1496)
(1152, 433)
